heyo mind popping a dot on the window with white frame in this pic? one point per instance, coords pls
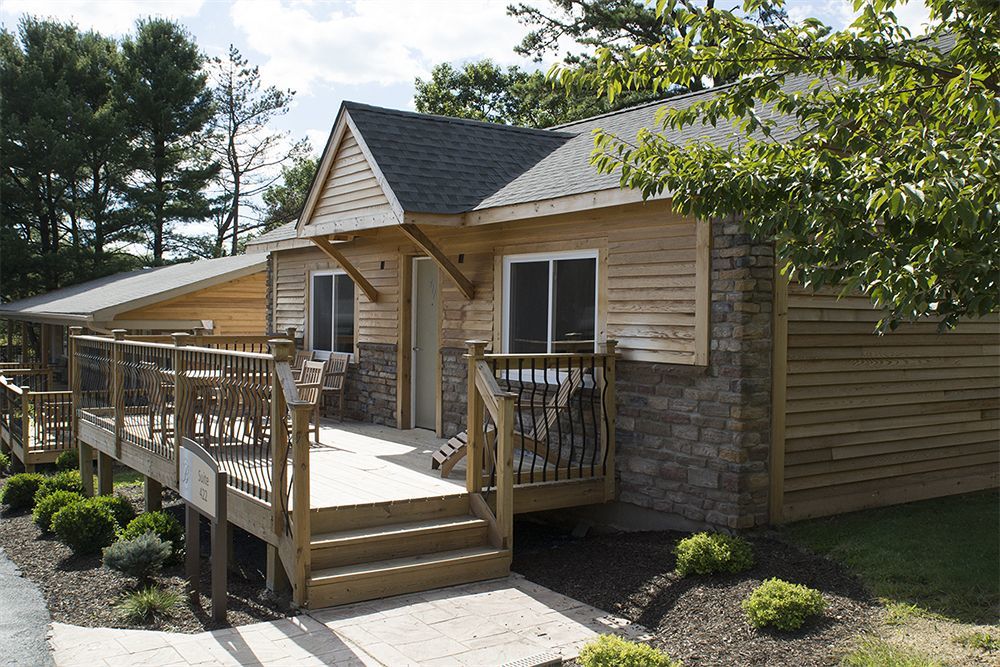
(550, 302)
(331, 317)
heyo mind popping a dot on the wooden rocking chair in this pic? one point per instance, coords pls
(310, 387)
(534, 441)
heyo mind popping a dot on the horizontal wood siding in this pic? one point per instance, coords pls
(236, 307)
(647, 277)
(351, 188)
(874, 420)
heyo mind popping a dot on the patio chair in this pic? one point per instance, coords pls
(333, 382)
(301, 357)
(310, 387)
(535, 441)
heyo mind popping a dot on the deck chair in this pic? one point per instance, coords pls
(301, 357)
(534, 441)
(333, 382)
(310, 387)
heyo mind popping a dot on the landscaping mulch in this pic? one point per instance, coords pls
(80, 591)
(698, 619)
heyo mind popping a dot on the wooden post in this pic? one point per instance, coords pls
(282, 351)
(24, 344)
(43, 345)
(505, 473)
(85, 451)
(290, 334)
(610, 407)
(182, 399)
(301, 529)
(192, 545)
(779, 407)
(474, 420)
(220, 544)
(276, 579)
(117, 391)
(26, 428)
(105, 474)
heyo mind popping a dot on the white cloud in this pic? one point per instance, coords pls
(110, 18)
(838, 13)
(372, 42)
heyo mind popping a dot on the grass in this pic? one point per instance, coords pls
(938, 557)
(979, 639)
(147, 604)
(873, 652)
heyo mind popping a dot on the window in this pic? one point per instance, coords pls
(332, 313)
(550, 303)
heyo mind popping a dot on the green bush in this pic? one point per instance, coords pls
(85, 527)
(613, 651)
(710, 553)
(68, 460)
(47, 507)
(68, 480)
(149, 603)
(140, 557)
(4, 463)
(782, 605)
(19, 491)
(121, 508)
(166, 527)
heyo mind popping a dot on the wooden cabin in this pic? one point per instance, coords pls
(589, 352)
(221, 296)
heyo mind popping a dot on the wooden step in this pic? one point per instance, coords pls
(395, 540)
(368, 581)
(333, 519)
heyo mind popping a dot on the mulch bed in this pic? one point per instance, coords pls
(80, 591)
(698, 619)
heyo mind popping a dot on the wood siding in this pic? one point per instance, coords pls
(236, 307)
(351, 188)
(875, 420)
(647, 277)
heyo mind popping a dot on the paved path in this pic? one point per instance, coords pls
(488, 623)
(24, 619)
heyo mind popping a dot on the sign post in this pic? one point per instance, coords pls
(203, 488)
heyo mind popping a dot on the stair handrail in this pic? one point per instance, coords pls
(485, 393)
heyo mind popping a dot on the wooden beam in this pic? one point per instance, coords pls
(420, 239)
(334, 254)
(779, 381)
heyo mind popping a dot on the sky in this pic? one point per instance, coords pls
(362, 50)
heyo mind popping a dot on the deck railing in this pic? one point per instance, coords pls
(144, 396)
(34, 423)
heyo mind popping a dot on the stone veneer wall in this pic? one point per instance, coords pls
(371, 385)
(454, 384)
(694, 441)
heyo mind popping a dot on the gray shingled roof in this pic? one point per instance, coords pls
(132, 289)
(282, 233)
(437, 164)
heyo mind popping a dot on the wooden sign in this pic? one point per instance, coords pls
(203, 488)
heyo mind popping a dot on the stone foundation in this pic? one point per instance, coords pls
(454, 383)
(371, 385)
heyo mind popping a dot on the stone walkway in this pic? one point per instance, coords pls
(489, 623)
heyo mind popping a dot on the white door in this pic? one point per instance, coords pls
(425, 343)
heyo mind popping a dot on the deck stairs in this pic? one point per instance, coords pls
(383, 549)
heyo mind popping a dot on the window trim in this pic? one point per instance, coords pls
(550, 257)
(325, 354)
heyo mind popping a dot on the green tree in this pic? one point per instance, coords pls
(170, 107)
(250, 152)
(283, 201)
(870, 157)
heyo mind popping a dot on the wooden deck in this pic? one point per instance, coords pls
(356, 463)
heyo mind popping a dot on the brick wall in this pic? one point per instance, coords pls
(694, 441)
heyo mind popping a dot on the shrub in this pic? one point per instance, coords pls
(121, 509)
(4, 463)
(709, 553)
(782, 605)
(140, 557)
(19, 491)
(613, 651)
(85, 527)
(68, 460)
(146, 604)
(47, 507)
(166, 527)
(68, 480)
